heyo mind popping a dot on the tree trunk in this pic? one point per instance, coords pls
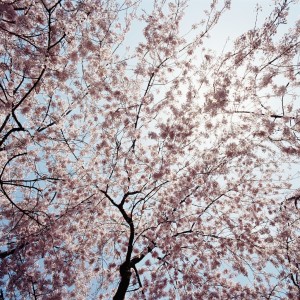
(124, 283)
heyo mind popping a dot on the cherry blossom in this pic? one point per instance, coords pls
(137, 163)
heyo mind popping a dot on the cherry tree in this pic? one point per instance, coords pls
(155, 169)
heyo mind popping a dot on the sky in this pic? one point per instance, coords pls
(240, 18)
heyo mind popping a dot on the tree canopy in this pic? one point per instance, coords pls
(138, 163)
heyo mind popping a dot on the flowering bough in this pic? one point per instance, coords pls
(154, 169)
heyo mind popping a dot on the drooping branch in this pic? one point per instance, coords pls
(33, 86)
